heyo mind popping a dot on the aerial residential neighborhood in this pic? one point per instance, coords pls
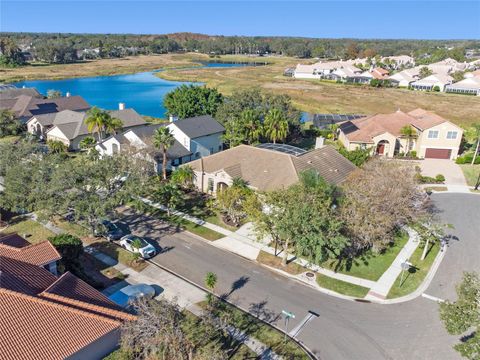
(230, 180)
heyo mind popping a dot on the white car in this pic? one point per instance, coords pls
(136, 244)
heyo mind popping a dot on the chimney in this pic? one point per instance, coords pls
(172, 118)
(121, 106)
(67, 94)
(319, 142)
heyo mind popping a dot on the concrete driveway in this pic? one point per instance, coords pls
(452, 172)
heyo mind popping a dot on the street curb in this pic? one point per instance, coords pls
(310, 353)
(423, 286)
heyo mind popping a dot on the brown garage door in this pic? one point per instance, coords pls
(438, 153)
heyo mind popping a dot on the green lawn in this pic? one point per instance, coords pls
(196, 229)
(216, 219)
(9, 139)
(33, 231)
(369, 266)
(121, 255)
(72, 228)
(268, 335)
(341, 287)
(276, 262)
(471, 173)
(413, 279)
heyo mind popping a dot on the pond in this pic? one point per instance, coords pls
(142, 91)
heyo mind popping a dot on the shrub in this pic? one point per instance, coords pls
(70, 248)
(440, 178)
(436, 88)
(467, 159)
(413, 154)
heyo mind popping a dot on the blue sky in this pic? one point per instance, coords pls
(324, 19)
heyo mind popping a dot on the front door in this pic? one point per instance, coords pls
(380, 149)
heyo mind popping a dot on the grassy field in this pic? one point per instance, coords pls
(369, 266)
(326, 97)
(33, 230)
(471, 173)
(341, 287)
(412, 279)
(100, 67)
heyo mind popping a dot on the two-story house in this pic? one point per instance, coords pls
(194, 138)
(435, 137)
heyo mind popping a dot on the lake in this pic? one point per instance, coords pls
(142, 91)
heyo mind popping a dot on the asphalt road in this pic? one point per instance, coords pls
(344, 329)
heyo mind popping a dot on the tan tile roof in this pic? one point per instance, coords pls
(37, 254)
(265, 169)
(33, 328)
(424, 119)
(365, 129)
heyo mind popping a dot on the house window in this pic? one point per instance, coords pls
(175, 162)
(211, 150)
(219, 147)
(210, 185)
(197, 155)
(433, 134)
(451, 135)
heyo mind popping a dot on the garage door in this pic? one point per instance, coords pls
(438, 153)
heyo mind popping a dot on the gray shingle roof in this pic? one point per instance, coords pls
(198, 126)
(72, 123)
(13, 92)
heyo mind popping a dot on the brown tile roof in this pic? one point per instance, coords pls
(365, 129)
(32, 328)
(70, 290)
(13, 240)
(37, 254)
(265, 169)
(23, 277)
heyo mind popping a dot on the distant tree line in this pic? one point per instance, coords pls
(64, 48)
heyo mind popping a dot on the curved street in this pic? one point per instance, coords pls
(344, 329)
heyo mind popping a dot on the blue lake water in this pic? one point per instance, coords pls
(142, 91)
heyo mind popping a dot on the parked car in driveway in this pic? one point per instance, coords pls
(136, 244)
(109, 230)
(125, 296)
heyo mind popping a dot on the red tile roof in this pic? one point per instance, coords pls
(33, 328)
(37, 254)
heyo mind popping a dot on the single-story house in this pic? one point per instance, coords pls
(69, 126)
(67, 318)
(431, 82)
(331, 70)
(194, 138)
(436, 137)
(469, 85)
(400, 61)
(266, 168)
(12, 92)
(25, 106)
(405, 78)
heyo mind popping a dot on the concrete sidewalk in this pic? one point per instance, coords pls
(382, 286)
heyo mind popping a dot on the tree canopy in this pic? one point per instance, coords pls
(192, 100)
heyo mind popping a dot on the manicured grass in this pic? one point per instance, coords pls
(276, 262)
(341, 287)
(71, 228)
(34, 231)
(121, 255)
(369, 266)
(196, 229)
(253, 327)
(216, 219)
(413, 278)
(471, 173)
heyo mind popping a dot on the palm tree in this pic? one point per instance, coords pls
(409, 133)
(333, 128)
(473, 135)
(253, 126)
(56, 146)
(96, 121)
(112, 125)
(183, 176)
(210, 280)
(87, 143)
(163, 139)
(275, 125)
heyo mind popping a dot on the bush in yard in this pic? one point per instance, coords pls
(440, 178)
(70, 247)
(436, 88)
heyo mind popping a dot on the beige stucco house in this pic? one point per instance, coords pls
(268, 167)
(435, 136)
